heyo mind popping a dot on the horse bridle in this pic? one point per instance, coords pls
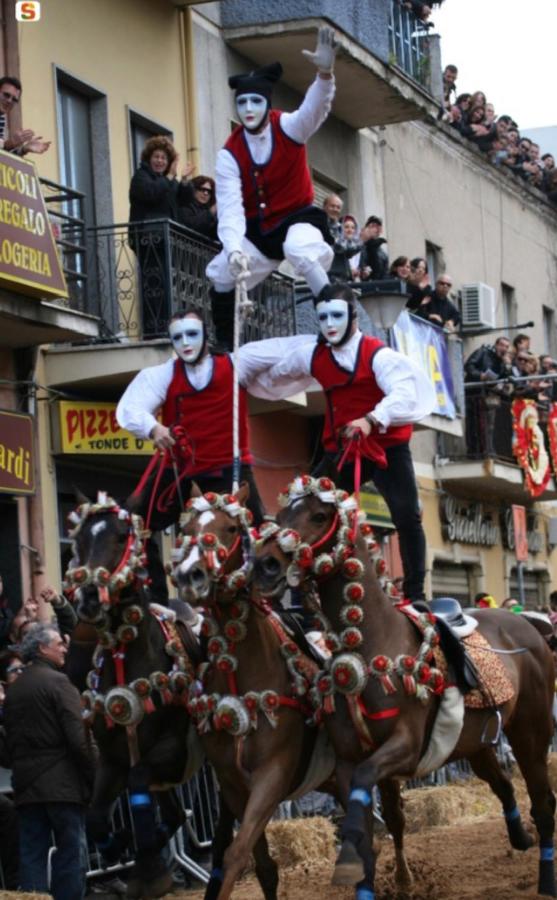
(129, 571)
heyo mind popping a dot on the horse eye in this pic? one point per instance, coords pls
(319, 518)
(232, 529)
(122, 538)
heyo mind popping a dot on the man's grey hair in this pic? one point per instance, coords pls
(38, 635)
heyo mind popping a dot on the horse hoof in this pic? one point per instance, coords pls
(349, 867)
(546, 880)
(518, 836)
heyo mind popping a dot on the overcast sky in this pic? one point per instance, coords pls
(506, 49)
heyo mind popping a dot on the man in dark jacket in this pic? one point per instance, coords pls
(438, 309)
(45, 745)
(487, 364)
(374, 261)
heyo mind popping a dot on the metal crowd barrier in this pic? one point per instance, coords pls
(200, 801)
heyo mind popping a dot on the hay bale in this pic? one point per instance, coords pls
(21, 895)
(295, 841)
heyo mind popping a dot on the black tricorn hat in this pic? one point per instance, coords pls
(259, 81)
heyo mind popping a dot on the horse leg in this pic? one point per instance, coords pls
(221, 841)
(393, 814)
(109, 783)
(343, 773)
(530, 747)
(269, 786)
(357, 857)
(151, 875)
(266, 868)
(487, 767)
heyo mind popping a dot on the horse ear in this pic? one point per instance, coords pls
(327, 469)
(134, 503)
(243, 493)
(80, 496)
(195, 490)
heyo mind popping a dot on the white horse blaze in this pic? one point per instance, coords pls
(190, 560)
(98, 527)
(206, 518)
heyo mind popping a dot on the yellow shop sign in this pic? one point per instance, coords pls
(86, 427)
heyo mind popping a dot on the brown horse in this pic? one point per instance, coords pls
(137, 688)
(251, 710)
(386, 686)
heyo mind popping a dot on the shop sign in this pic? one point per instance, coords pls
(534, 538)
(376, 510)
(29, 260)
(17, 469)
(86, 427)
(467, 523)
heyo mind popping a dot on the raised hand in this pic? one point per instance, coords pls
(324, 55)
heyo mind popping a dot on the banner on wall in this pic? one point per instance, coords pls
(85, 427)
(17, 465)
(427, 347)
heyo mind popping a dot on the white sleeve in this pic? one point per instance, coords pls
(409, 395)
(143, 397)
(277, 368)
(310, 115)
(230, 204)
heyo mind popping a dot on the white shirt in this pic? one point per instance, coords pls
(298, 125)
(147, 392)
(409, 395)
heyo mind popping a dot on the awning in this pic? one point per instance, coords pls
(376, 510)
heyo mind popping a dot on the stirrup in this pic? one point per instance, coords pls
(495, 741)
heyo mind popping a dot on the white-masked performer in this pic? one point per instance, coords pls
(264, 187)
(374, 390)
(193, 390)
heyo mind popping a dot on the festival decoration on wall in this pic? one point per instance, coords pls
(529, 446)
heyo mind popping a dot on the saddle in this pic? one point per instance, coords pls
(452, 624)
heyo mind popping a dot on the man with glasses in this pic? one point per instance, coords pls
(486, 364)
(437, 308)
(19, 141)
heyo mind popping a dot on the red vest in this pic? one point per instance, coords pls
(350, 395)
(279, 187)
(206, 416)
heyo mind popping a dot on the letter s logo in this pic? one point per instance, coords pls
(28, 10)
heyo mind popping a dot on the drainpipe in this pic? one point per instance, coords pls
(189, 80)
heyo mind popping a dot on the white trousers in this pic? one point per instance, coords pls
(304, 248)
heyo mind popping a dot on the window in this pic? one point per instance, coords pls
(508, 301)
(433, 258)
(141, 129)
(549, 330)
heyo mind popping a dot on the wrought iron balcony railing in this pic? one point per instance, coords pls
(409, 43)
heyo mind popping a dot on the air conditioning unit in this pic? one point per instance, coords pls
(478, 306)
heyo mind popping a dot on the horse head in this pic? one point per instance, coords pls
(107, 570)
(308, 537)
(212, 557)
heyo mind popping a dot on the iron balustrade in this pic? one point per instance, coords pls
(409, 43)
(65, 208)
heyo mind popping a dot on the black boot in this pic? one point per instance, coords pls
(222, 307)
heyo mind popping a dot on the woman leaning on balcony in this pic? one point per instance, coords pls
(156, 192)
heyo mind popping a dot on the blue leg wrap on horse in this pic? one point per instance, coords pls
(143, 812)
(512, 814)
(547, 854)
(217, 873)
(365, 894)
(360, 795)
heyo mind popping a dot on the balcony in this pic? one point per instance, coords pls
(482, 465)
(383, 65)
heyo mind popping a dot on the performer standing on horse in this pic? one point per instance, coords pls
(264, 187)
(373, 396)
(194, 394)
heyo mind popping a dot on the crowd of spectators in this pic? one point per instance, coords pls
(360, 255)
(516, 370)
(498, 137)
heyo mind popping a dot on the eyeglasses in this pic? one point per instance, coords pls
(204, 190)
(522, 359)
(13, 670)
(445, 283)
(11, 97)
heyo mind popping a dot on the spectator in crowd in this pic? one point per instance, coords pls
(520, 342)
(11, 666)
(548, 366)
(488, 363)
(420, 8)
(200, 213)
(374, 261)
(46, 747)
(485, 601)
(527, 364)
(18, 141)
(157, 191)
(351, 246)
(6, 617)
(548, 163)
(28, 614)
(400, 268)
(450, 74)
(459, 110)
(332, 204)
(418, 285)
(437, 308)
(512, 605)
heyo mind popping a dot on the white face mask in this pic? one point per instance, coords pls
(252, 109)
(187, 336)
(333, 319)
